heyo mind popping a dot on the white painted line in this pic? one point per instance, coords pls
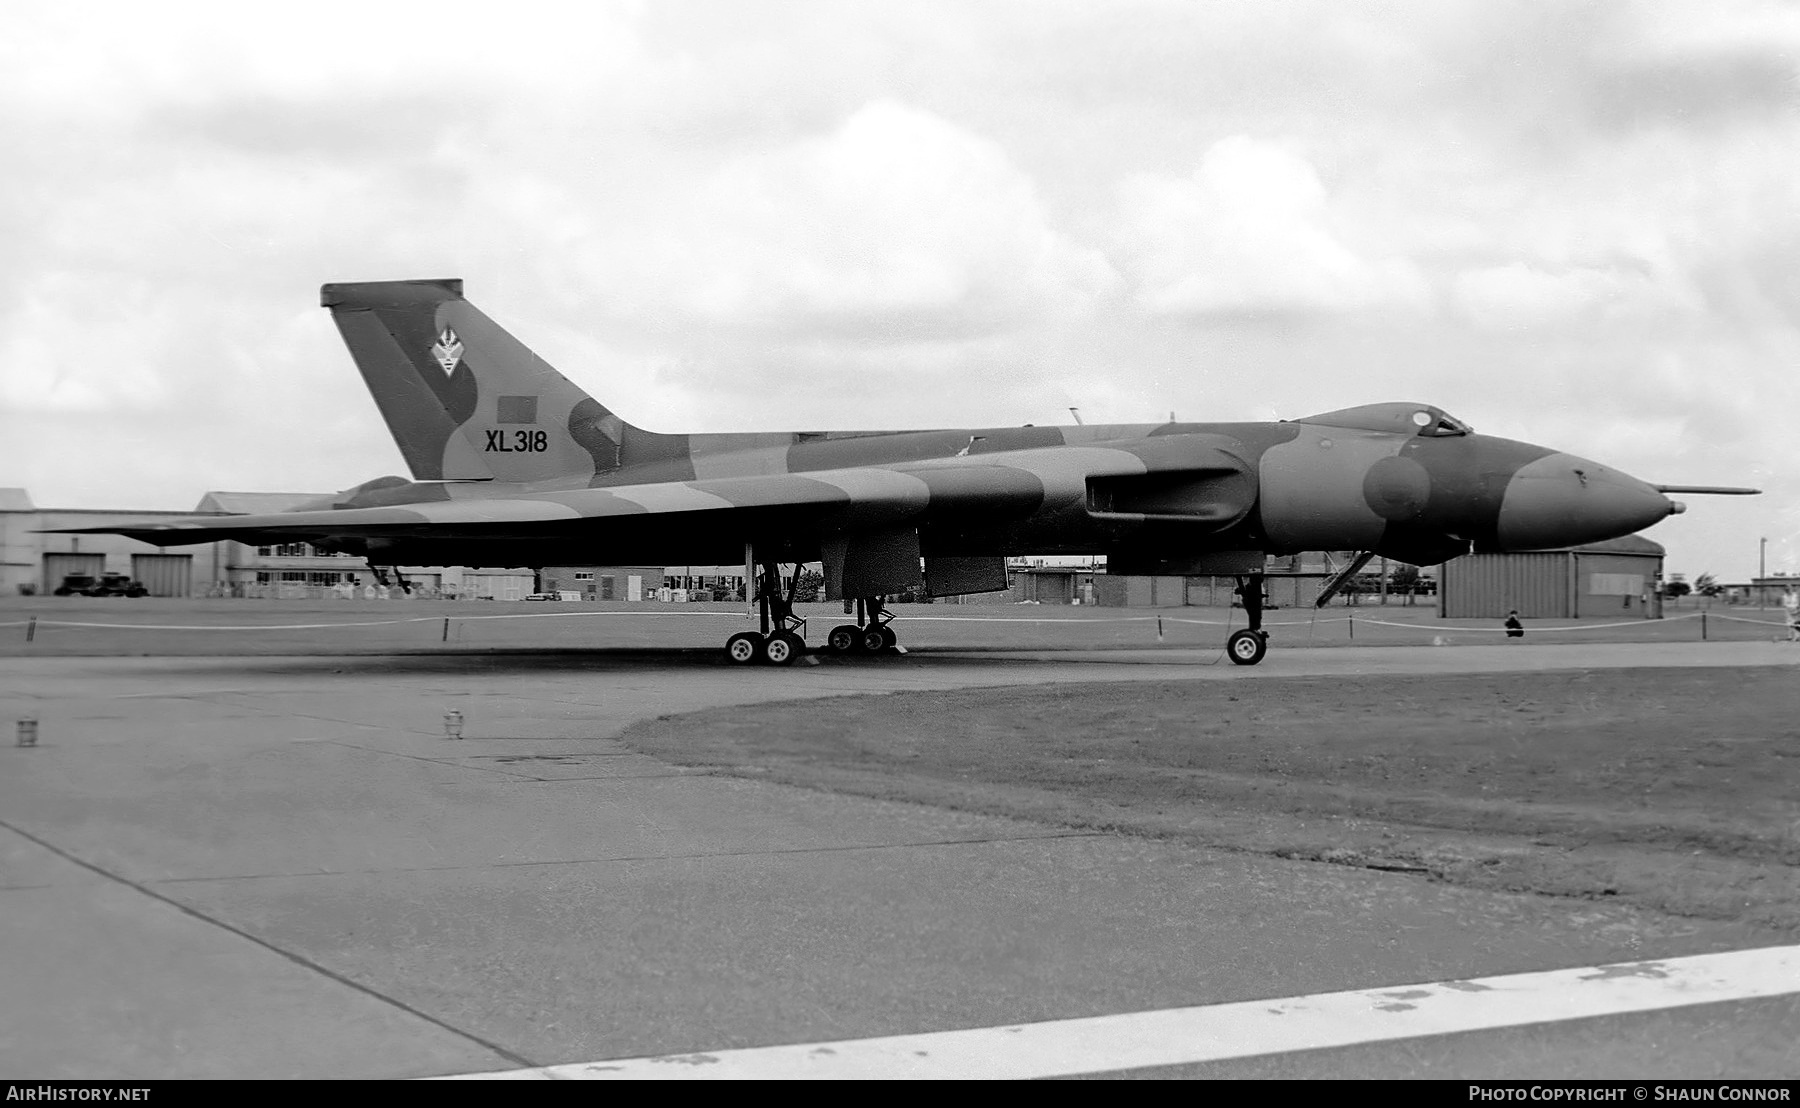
(1185, 1035)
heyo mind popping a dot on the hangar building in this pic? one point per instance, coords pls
(1612, 578)
(37, 562)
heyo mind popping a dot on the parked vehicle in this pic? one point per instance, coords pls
(107, 584)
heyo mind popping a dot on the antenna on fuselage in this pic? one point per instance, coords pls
(1076, 412)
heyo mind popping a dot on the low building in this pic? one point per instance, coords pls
(603, 582)
(32, 561)
(294, 570)
(1053, 584)
(1281, 589)
(1292, 581)
(726, 582)
(1764, 592)
(301, 571)
(1619, 577)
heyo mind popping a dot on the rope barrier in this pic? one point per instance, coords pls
(229, 627)
(357, 623)
(1565, 627)
(1023, 619)
(1758, 622)
(1266, 622)
(614, 615)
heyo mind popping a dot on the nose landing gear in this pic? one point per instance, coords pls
(1247, 647)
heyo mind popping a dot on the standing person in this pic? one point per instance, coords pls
(1514, 629)
(1790, 603)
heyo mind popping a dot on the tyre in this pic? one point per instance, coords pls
(873, 640)
(1246, 647)
(843, 638)
(743, 648)
(782, 648)
(889, 639)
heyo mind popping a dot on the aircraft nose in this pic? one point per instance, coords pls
(1561, 500)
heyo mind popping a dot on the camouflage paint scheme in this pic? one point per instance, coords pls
(514, 465)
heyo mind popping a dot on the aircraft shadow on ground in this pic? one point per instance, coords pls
(592, 660)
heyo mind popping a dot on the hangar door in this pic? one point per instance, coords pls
(58, 566)
(164, 574)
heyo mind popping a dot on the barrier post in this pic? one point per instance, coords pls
(1702, 626)
(453, 724)
(1351, 620)
(31, 629)
(28, 731)
(446, 637)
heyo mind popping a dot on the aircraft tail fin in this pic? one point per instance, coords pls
(464, 399)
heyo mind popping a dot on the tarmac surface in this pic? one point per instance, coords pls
(281, 867)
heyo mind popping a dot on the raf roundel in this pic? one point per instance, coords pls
(1397, 488)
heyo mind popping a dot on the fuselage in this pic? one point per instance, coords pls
(1403, 480)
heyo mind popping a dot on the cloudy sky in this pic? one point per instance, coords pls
(1576, 224)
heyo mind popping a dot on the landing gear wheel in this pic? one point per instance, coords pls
(889, 639)
(1247, 647)
(744, 647)
(843, 638)
(782, 648)
(873, 640)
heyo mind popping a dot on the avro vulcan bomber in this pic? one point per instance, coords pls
(514, 465)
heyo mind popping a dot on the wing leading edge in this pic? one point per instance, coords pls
(979, 491)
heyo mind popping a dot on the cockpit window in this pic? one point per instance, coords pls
(1419, 419)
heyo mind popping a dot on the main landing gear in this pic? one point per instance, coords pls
(870, 634)
(783, 635)
(381, 577)
(1247, 647)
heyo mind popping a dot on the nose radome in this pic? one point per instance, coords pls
(1561, 500)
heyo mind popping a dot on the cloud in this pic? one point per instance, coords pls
(895, 226)
(52, 366)
(1520, 296)
(112, 57)
(1665, 68)
(1249, 233)
(1571, 223)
